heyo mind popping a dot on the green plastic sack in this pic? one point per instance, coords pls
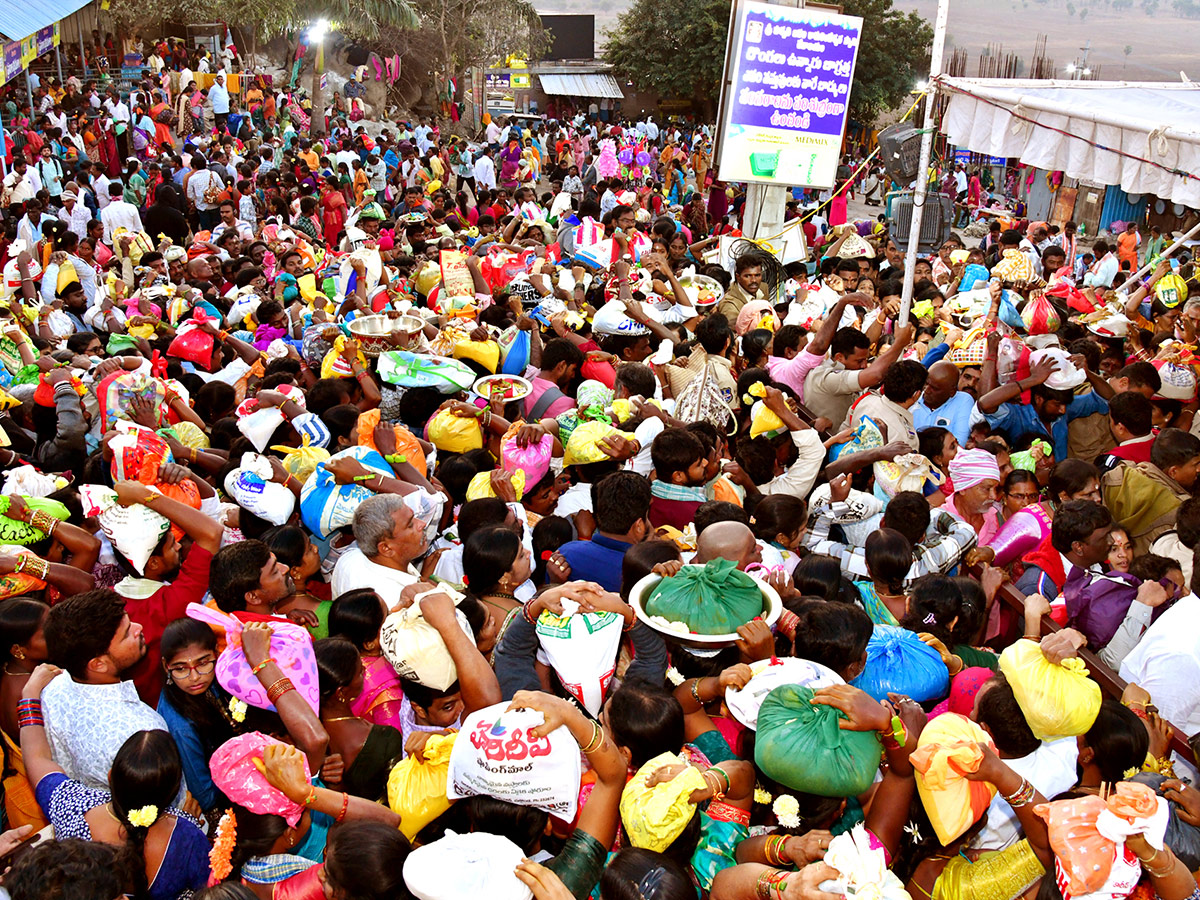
(801, 746)
(714, 598)
(14, 531)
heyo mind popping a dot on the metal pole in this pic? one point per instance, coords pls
(58, 62)
(82, 49)
(918, 213)
(766, 203)
(29, 90)
(3, 149)
(1145, 270)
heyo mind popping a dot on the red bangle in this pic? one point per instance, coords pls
(345, 805)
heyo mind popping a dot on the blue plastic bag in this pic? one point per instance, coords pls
(900, 662)
(1008, 312)
(514, 351)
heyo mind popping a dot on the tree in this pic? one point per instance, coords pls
(677, 48)
(456, 35)
(893, 56)
(674, 47)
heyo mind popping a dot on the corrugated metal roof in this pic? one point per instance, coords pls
(591, 85)
(21, 18)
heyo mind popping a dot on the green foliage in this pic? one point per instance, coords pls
(677, 48)
(269, 18)
(893, 57)
(674, 47)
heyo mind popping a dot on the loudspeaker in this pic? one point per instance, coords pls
(935, 224)
(900, 151)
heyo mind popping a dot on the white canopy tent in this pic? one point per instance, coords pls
(1075, 126)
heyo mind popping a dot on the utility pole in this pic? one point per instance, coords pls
(919, 197)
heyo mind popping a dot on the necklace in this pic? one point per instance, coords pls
(8, 671)
(341, 718)
(502, 595)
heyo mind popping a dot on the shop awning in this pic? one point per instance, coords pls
(1144, 136)
(21, 18)
(589, 85)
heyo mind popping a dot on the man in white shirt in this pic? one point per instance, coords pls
(493, 135)
(608, 202)
(1166, 663)
(90, 711)
(485, 170)
(117, 214)
(121, 121)
(29, 228)
(20, 184)
(389, 537)
(218, 96)
(960, 181)
(75, 214)
(410, 169)
(1049, 766)
(100, 185)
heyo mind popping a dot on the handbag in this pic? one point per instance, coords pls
(971, 348)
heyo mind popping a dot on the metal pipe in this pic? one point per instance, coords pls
(918, 213)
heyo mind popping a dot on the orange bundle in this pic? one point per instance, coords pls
(947, 751)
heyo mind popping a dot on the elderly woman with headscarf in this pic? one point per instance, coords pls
(976, 477)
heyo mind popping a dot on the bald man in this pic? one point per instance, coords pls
(942, 403)
(728, 540)
(199, 269)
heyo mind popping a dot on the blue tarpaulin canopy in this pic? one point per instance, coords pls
(21, 18)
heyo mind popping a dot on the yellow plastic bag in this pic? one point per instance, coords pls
(1057, 700)
(302, 461)
(486, 353)
(333, 366)
(584, 444)
(454, 434)
(654, 816)
(481, 485)
(416, 788)
(947, 748)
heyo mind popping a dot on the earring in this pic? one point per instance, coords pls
(19, 654)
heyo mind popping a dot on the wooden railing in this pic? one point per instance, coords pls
(1110, 682)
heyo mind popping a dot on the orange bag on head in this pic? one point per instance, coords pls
(406, 442)
(946, 750)
(1085, 855)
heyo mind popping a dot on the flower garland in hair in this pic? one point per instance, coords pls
(220, 858)
(237, 709)
(787, 811)
(675, 676)
(761, 795)
(144, 817)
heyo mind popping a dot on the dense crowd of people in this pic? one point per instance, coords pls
(367, 536)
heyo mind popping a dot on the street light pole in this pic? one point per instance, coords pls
(919, 197)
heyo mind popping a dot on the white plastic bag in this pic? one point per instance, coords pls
(495, 757)
(415, 650)
(582, 650)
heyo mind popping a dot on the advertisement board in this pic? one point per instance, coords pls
(788, 73)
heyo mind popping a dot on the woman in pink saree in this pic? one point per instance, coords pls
(357, 616)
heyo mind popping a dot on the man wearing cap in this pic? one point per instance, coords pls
(74, 214)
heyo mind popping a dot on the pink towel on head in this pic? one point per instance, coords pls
(236, 776)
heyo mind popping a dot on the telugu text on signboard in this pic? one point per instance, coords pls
(787, 92)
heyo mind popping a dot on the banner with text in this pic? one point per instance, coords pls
(788, 74)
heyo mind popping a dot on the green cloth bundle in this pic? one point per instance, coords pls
(715, 598)
(801, 746)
